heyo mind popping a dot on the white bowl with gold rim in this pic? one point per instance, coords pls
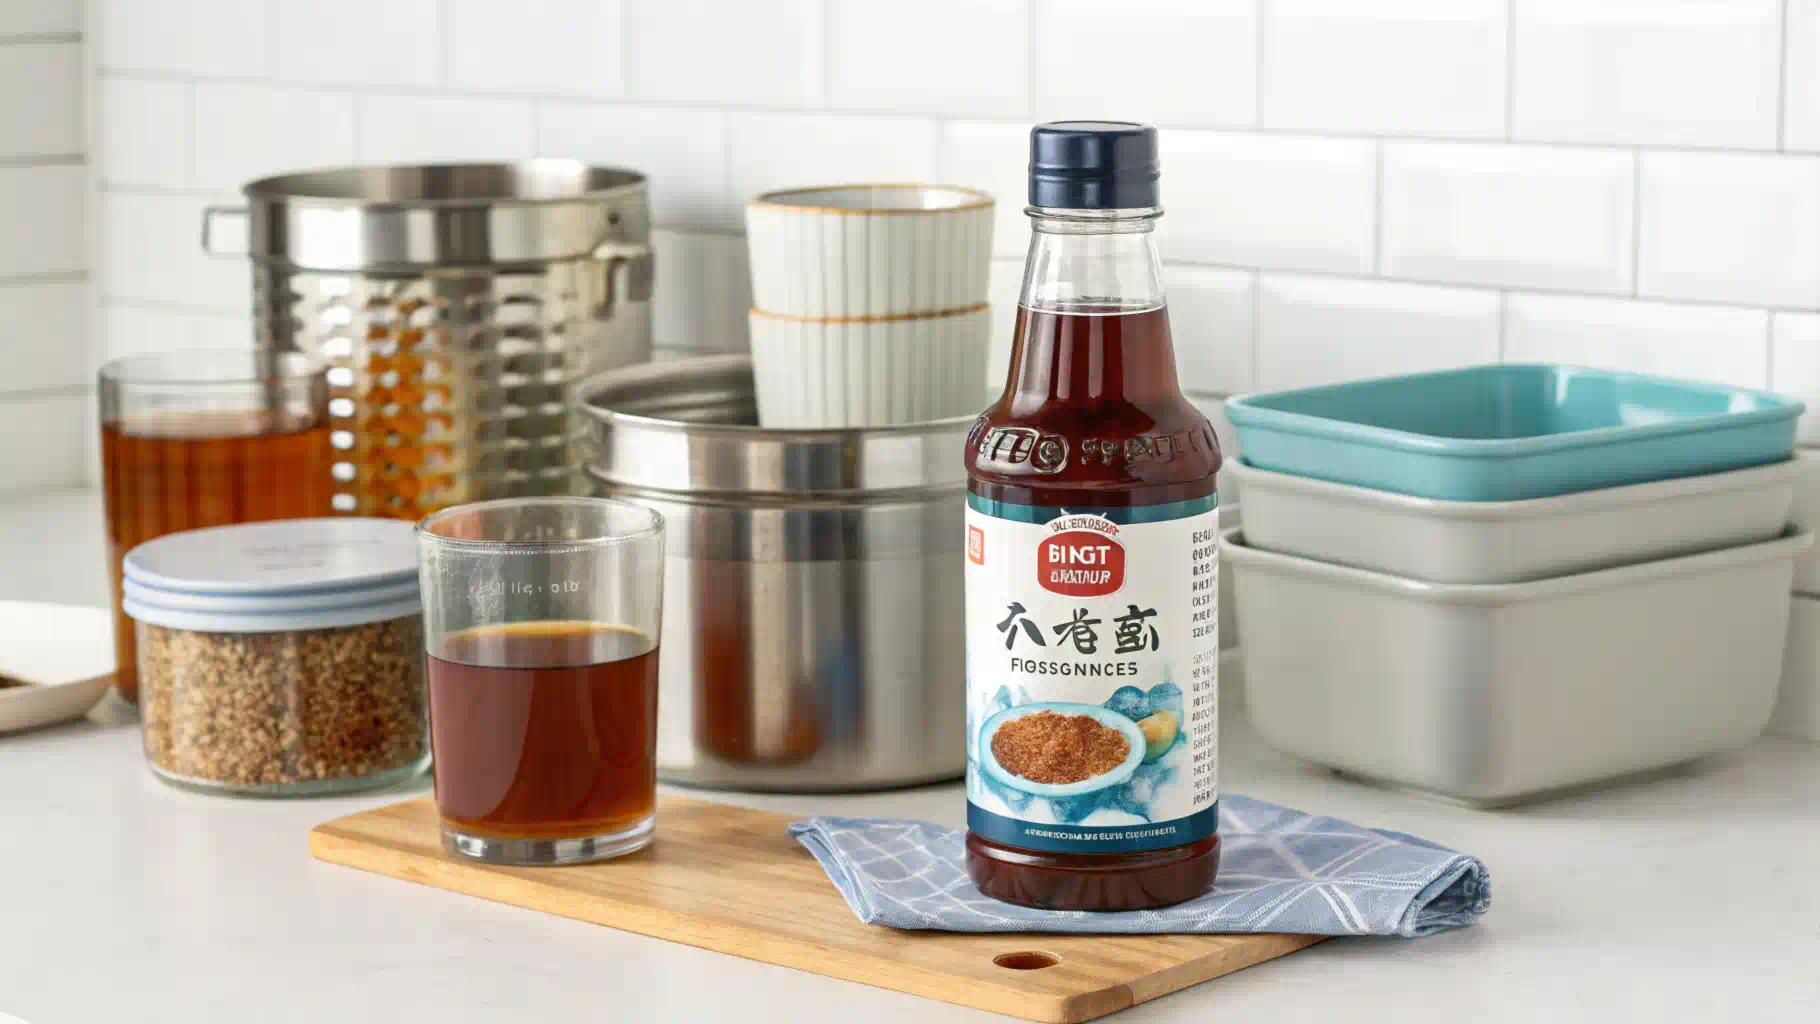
(814, 373)
(869, 250)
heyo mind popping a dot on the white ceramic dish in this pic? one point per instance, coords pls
(870, 250)
(817, 374)
(1493, 694)
(65, 653)
(1511, 541)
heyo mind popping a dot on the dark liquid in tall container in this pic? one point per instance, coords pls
(544, 730)
(1099, 378)
(185, 471)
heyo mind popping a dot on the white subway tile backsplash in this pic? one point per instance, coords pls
(150, 252)
(1795, 367)
(244, 132)
(40, 99)
(683, 153)
(195, 38)
(58, 428)
(39, 17)
(417, 129)
(1801, 77)
(955, 56)
(703, 291)
(1007, 282)
(42, 210)
(1194, 63)
(740, 53)
(994, 156)
(771, 151)
(1713, 343)
(359, 42)
(1518, 216)
(1212, 317)
(216, 330)
(43, 328)
(1430, 67)
(1272, 201)
(1648, 72)
(144, 137)
(570, 47)
(1731, 227)
(130, 330)
(1321, 330)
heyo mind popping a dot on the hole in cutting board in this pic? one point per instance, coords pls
(1027, 960)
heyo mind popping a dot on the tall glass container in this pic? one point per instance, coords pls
(1092, 622)
(208, 438)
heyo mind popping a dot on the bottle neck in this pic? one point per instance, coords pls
(1092, 326)
(1095, 261)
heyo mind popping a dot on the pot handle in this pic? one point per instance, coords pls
(635, 261)
(231, 218)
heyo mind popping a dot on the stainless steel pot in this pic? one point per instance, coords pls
(812, 636)
(458, 306)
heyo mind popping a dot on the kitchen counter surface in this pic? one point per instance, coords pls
(1686, 898)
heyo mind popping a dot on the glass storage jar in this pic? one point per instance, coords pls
(282, 658)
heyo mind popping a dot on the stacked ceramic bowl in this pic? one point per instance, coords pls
(1502, 582)
(869, 303)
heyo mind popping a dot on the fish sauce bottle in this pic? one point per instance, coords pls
(1092, 560)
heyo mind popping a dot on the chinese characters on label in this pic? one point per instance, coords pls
(1131, 631)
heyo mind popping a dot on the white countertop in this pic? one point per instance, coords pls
(1687, 898)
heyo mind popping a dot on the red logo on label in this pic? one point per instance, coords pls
(1080, 563)
(976, 545)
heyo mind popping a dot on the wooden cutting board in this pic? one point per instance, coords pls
(730, 879)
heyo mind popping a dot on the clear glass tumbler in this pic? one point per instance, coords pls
(541, 622)
(208, 438)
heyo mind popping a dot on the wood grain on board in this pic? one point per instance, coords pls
(730, 879)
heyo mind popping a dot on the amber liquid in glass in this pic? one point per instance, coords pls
(184, 471)
(544, 730)
(1095, 378)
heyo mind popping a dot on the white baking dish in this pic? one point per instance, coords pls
(1512, 541)
(1493, 694)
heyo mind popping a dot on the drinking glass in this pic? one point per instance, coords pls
(208, 438)
(541, 622)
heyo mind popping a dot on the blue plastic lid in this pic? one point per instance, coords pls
(283, 576)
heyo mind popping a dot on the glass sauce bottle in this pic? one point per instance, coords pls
(1092, 561)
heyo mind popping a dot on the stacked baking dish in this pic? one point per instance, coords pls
(1517, 579)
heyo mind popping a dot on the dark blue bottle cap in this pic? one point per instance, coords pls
(1094, 165)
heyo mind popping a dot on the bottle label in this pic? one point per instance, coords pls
(1093, 655)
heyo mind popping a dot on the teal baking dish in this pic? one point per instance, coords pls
(1511, 432)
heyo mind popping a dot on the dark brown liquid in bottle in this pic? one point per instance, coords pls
(545, 730)
(1101, 387)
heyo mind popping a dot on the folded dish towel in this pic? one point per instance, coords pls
(1280, 871)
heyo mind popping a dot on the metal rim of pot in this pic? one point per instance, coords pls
(636, 447)
(409, 218)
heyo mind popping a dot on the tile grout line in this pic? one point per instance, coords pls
(189, 136)
(736, 106)
(1261, 12)
(1510, 70)
(1636, 221)
(1788, 39)
(1377, 210)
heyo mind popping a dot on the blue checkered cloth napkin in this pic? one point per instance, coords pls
(1280, 871)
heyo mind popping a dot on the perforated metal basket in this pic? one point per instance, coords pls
(457, 307)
